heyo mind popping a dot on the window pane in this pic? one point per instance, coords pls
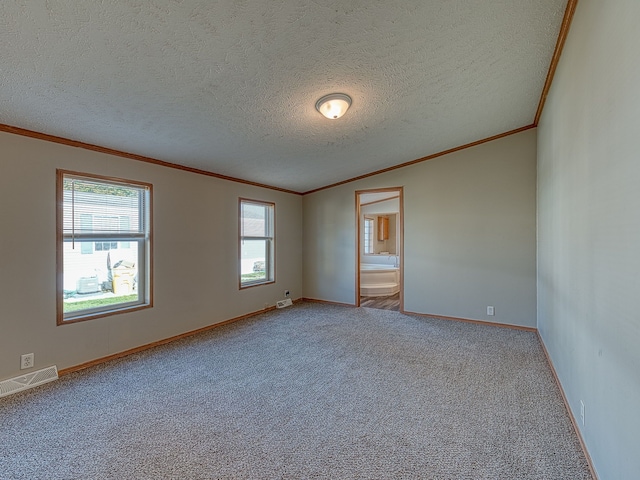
(105, 204)
(253, 260)
(99, 279)
(254, 220)
(368, 235)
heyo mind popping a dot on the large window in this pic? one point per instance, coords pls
(256, 242)
(103, 247)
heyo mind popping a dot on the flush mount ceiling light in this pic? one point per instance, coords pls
(333, 105)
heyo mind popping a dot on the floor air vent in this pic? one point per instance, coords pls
(283, 303)
(29, 380)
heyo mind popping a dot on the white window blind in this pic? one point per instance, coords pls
(107, 203)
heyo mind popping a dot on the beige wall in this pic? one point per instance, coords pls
(469, 234)
(589, 230)
(195, 255)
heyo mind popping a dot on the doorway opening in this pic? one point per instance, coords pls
(380, 228)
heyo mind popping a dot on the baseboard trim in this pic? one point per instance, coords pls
(478, 322)
(131, 351)
(429, 315)
(568, 408)
(328, 302)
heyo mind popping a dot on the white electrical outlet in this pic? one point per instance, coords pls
(491, 311)
(286, 293)
(26, 361)
(582, 411)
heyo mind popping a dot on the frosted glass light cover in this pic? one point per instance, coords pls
(333, 106)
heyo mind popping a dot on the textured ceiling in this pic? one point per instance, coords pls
(230, 86)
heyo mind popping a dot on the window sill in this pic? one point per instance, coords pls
(91, 316)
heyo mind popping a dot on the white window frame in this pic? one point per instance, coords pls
(141, 238)
(269, 239)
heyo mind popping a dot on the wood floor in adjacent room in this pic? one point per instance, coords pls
(383, 303)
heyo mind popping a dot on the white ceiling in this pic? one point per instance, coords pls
(230, 86)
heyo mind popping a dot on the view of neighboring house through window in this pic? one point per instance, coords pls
(103, 247)
(256, 242)
(368, 235)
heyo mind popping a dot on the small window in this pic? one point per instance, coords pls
(368, 235)
(96, 216)
(256, 242)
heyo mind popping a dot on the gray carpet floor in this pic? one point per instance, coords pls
(312, 391)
